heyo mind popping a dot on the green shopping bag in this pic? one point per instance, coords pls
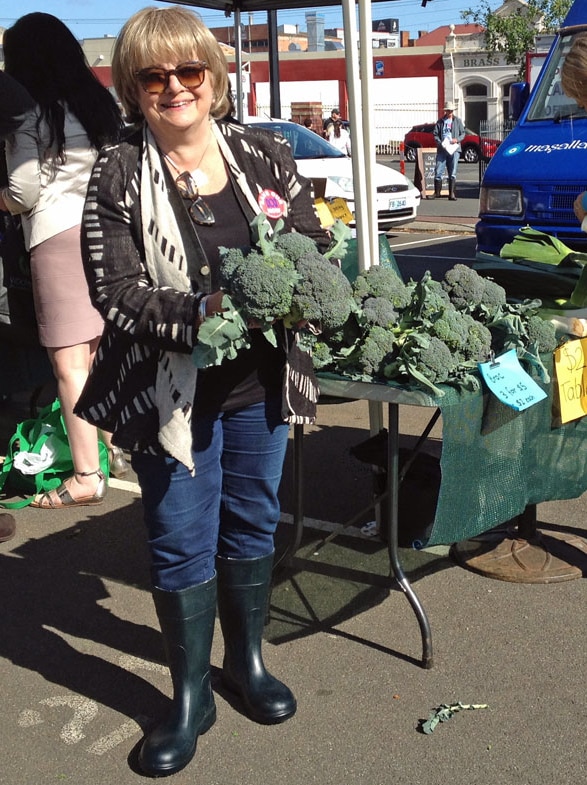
(38, 457)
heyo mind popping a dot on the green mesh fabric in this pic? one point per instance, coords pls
(496, 461)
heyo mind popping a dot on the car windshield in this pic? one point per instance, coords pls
(551, 103)
(304, 143)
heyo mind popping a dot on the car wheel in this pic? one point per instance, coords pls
(410, 154)
(470, 154)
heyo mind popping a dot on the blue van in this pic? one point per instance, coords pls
(541, 166)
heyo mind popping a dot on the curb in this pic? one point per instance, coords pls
(439, 225)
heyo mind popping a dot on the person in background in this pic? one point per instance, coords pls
(574, 84)
(334, 116)
(308, 124)
(49, 159)
(207, 445)
(339, 137)
(14, 104)
(449, 132)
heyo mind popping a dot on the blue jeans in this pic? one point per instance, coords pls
(230, 507)
(446, 161)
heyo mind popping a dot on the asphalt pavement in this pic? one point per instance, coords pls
(82, 669)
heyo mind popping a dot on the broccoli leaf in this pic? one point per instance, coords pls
(340, 236)
(221, 336)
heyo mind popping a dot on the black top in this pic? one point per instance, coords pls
(256, 372)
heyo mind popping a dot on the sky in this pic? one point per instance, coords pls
(98, 18)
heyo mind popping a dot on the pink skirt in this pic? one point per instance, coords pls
(65, 315)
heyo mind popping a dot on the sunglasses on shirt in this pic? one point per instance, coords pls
(156, 80)
(199, 211)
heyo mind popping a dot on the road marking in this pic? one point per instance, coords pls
(429, 240)
(125, 731)
(84, 711)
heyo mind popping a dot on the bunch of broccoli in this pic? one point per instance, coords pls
(283, 278)
(431, 332)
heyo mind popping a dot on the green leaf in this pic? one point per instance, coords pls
(220, 337)
(579, 295)
(445, 712)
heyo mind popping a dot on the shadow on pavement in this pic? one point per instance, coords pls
(53, 589)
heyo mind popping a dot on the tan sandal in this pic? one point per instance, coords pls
(61, 497)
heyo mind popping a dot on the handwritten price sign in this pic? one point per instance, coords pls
(510, 383)
(570, 362)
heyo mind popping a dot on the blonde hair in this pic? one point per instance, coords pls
(174, 34)
(574, 70)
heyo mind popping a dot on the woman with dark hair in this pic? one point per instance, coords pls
(50, 159)
(207, 446)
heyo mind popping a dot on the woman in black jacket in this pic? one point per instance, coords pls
(207, 446)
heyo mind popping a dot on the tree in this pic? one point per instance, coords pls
(514, 33)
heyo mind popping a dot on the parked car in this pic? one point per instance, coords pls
(398, 198)
(474, 147)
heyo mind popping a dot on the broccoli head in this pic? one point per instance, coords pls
(541, 334)
(429, 299)
(376, 351)
(294, 245)
(378, 281)
(379, 311)
(452, 327)
(261, 286)
(435, 361)
(478, 344)
(230, 259)
(322, 295)
(493, 298)
(464, 286)
(322, 355)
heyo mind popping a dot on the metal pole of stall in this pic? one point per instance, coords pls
(238, 63)
(275, 95)
(366, 74)
(358, 163)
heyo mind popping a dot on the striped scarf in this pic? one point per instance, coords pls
(166, 263)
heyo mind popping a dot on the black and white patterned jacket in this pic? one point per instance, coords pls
(143, 320)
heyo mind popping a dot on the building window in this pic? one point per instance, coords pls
(476, 89)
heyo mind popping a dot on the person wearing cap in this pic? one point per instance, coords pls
(335, 117)
(449, 132)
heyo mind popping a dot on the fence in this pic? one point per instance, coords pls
(491, 134)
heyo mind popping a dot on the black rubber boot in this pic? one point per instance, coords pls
(243, 592)
(451, 189)
(187, 623)
(437, 188)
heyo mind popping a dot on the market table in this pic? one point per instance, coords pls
(496, 462)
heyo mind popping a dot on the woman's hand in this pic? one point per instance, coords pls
(214, 303)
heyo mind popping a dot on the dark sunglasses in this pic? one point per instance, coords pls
(199, 211)
(156, 80)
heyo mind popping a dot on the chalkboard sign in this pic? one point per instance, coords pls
(424, 176)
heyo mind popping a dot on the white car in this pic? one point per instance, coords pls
(398, 198)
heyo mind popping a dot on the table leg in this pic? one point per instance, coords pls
(298, 500)
(392, 533)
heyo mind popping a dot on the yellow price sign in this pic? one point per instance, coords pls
(570, 363)
(340, 209)
(329, 210)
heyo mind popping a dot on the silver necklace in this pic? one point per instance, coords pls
(200, 178)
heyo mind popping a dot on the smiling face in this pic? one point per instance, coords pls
(165, 38)
(177, 109)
